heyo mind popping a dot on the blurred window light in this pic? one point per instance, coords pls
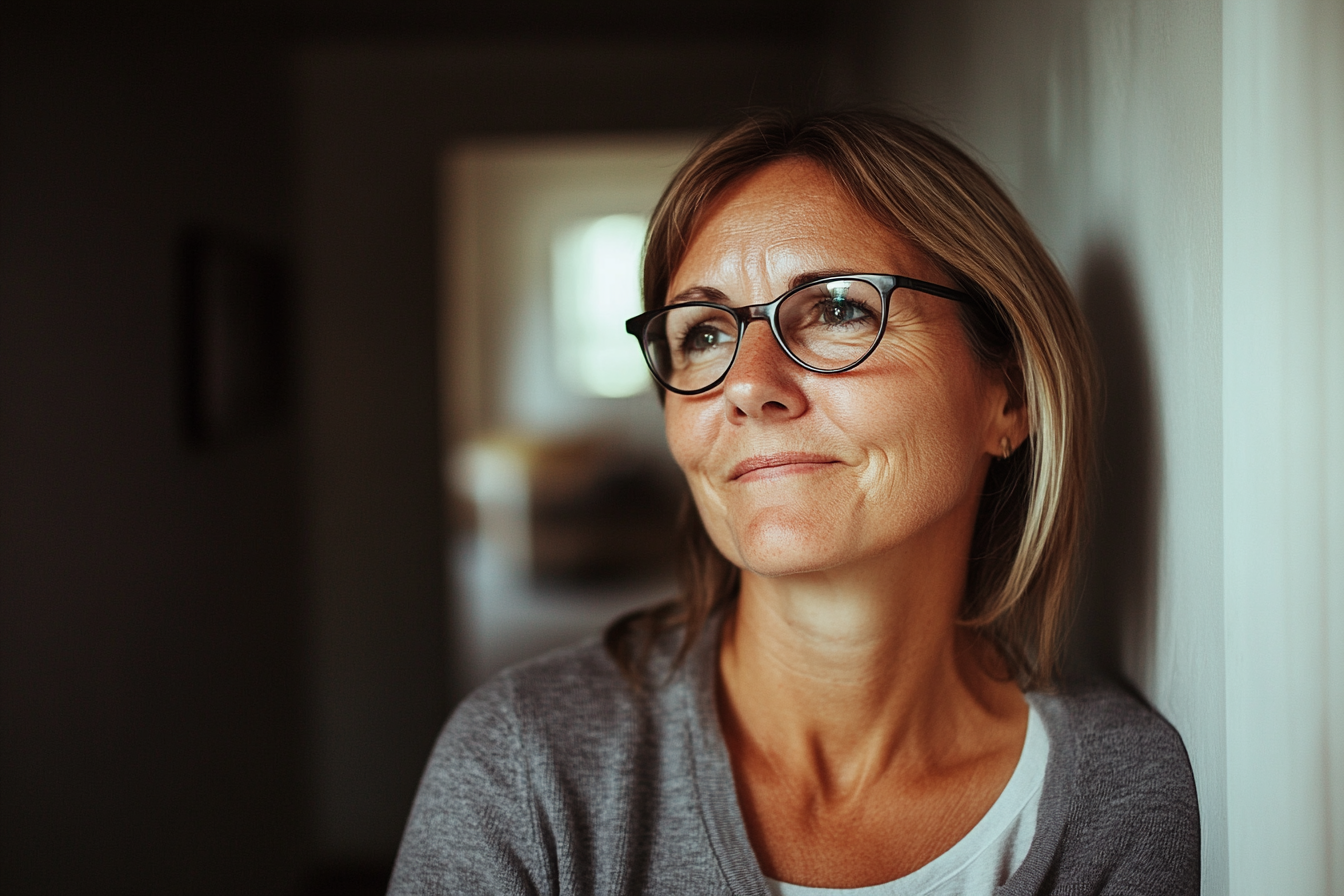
(595, 287)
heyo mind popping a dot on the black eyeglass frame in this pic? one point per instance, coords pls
(885, 284)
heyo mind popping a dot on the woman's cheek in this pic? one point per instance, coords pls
(689, 434)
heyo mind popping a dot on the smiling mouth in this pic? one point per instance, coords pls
(767, 465)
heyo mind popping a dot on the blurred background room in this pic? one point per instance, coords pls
(311, 420)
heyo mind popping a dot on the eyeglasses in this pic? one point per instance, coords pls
(827, 326)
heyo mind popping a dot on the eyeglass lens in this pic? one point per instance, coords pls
(827, 326)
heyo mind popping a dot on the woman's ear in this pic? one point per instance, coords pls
(1012, 419)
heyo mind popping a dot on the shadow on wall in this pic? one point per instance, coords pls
(1113, 631)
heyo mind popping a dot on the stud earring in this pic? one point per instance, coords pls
(1005, 448)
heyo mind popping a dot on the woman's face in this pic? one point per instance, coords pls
(795, 471)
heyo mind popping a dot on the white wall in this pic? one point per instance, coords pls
(1183, 163)
(1283, 412)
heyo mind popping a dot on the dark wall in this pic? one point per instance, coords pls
(149, 592)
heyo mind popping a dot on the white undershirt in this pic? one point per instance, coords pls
(985, 857)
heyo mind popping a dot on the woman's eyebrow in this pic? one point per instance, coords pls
(710, 294)
(699, 294)
(798, 280)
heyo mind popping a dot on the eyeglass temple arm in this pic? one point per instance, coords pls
(934, 289)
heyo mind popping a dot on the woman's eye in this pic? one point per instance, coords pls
(699, 334)
(703, 338)
(839, 311)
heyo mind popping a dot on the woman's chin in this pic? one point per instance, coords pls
(787, 552)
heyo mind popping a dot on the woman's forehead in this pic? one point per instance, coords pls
(788, 217)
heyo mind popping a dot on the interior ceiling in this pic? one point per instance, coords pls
(316, 19)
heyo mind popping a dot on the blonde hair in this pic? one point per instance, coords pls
(924, 189)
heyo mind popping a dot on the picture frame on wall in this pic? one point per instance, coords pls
(235, 336)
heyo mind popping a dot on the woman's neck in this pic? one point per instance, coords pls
(845, 676)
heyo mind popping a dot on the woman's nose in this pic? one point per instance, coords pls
(763, 383)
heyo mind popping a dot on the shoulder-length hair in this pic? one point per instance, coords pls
(1026, 324)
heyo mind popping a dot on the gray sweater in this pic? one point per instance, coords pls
(557, 777)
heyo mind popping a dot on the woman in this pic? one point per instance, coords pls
(879, 389)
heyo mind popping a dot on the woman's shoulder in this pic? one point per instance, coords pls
(1115, 732)
(574, 700)
(539, 742)
(575, 674)
(1119, 803)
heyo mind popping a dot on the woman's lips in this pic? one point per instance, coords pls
(764, 465)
